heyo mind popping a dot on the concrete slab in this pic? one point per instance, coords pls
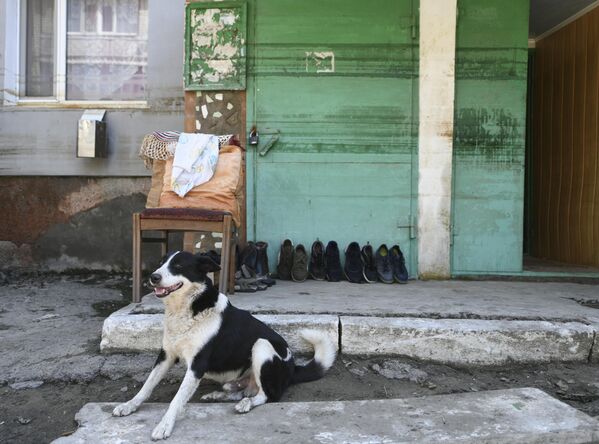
(128, 330)
(554, 301)
(497, 304)
(504, 416)
(467, 341)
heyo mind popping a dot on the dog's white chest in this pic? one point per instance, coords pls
(184, 335)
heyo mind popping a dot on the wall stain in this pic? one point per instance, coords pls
(490, 134)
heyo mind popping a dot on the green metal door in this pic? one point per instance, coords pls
(490, 124)
(332, 93)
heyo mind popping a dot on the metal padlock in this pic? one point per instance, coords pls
(254, 138)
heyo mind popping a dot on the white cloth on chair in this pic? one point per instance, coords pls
(195, 161)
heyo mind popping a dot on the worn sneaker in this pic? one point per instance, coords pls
(384, 270)
(369, 265)
(299, 271)
(398, 263)
(316, 266)
(332, 262)
(285, 260)
(354, 267)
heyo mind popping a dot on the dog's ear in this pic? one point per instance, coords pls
(206, 264)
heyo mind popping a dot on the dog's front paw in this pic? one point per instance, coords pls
(244, 406)
(124, 409)
(164, 429)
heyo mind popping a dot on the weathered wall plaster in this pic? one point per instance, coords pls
(59, 223)
(435, 147)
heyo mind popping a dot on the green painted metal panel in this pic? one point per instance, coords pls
(489, 136)
(333, 82)
(215, 45)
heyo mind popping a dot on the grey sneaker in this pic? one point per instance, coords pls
(299, 271)
(398, 263)
(384, 269)
(285, 260)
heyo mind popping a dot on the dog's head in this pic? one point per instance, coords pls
(181, 271)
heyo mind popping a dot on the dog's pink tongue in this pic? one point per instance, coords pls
(159, 291)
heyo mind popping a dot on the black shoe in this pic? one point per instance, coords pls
(247, 262)
(261, 259)
(354, 267)
(369, 265)
(285, 260)
(332, 262)
(384, 270)
(398, 263)
(299, 271)
(316, 266)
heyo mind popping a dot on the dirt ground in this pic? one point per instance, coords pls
(50, 409)
(41, 414)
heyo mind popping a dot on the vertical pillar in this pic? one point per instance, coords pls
(435, 146)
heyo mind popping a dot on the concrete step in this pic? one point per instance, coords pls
(524, 416)
(132, 329)
(468, 341)
(138, 328)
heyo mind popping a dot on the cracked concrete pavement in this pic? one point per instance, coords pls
(50, 331)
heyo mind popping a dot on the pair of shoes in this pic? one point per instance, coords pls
(325, 263)
(391, 265)
(362, 265)
(293, 262)
(252, 263)
(253, 260)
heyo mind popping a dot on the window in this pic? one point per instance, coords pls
(85, 50)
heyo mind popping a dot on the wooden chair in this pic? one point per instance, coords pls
(188, 220)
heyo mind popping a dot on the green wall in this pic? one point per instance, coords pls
(489, 135)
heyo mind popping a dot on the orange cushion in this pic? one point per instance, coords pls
(221, 192)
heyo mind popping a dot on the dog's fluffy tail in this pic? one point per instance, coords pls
(324, 356)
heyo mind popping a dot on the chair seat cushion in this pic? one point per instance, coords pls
(221, 193)
(184, 214)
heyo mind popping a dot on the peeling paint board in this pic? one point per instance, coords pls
(215, 46)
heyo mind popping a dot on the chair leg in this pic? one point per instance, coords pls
(136, 262)
(225, 253)
(232, 267)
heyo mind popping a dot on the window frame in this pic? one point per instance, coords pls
(58, 100)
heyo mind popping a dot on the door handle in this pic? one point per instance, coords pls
(271, 142)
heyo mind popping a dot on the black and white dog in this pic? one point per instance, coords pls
(220, 342)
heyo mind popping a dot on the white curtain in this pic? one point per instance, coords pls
(39, 76)
(106, 49)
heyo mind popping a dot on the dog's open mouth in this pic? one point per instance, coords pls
(165, 291)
